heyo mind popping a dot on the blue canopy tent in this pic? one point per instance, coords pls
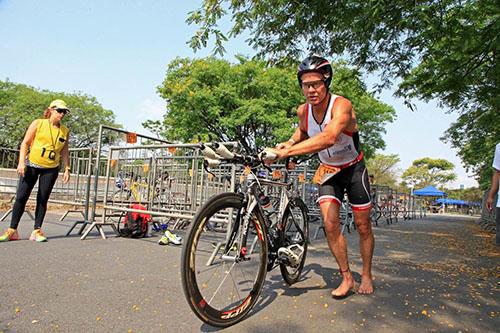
(431, 191)
(449, 201)
(457, 202)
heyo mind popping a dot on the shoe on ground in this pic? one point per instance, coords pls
(9, 235)
(163, 240)
(173, 238)
(38, 236)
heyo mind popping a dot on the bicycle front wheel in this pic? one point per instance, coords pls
(294, 234)
(223, 271)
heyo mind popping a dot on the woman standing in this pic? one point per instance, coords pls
(47, 141)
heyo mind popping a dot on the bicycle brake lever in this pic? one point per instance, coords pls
(211, 163)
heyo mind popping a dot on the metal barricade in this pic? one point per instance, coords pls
(74, 193)
(168, 179)
(170, 186)
(108, 136)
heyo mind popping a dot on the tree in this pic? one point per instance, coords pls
(21, 104)
(384, 169)
(473, 194)
(476, 133)
(253, 103)
(428, 171)
(247, 102)
(439, 49)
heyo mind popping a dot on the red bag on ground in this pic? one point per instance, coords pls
(135, 225)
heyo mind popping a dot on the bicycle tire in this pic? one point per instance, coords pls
(294, 233)
(195, 276)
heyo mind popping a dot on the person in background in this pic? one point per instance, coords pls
(494, 190)
(45, 148)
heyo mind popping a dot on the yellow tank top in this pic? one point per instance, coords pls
(45, 150)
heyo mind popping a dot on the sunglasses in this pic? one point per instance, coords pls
(313, 84)
(63, 111)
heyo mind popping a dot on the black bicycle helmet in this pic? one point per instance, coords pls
(318, 64)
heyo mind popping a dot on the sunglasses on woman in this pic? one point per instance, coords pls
(63, 111)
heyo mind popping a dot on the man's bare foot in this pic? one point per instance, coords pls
(366, 286)
(345, 287)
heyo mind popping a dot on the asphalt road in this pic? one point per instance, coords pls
(438, 274)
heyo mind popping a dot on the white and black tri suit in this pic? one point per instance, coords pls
(345, 154)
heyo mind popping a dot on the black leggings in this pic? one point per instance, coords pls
(47, 178)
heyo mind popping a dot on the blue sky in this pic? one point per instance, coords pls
(117, 51)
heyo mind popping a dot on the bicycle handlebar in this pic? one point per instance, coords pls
(221, 154)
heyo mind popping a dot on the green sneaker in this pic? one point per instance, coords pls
(173, 238)
(163, 240)
(38, 236)
(9, 235)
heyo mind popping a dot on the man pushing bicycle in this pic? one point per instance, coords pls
(328, 126)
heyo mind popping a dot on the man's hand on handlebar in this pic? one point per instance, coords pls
(284, 145)
(270, 155)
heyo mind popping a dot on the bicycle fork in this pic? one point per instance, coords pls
(236, 240)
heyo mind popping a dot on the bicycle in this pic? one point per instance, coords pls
(387, 209)
(375, 211)
(375, 214)
(127, 190)
(400, 209)
(236, 238)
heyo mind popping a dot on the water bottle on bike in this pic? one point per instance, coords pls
(265, 203)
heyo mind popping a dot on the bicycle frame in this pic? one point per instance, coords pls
(254, 186)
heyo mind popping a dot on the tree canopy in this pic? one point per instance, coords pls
(253, 103)
(384, 169)
(428, 171)
(474, 194)
(438, 49)
(21, 104)
(476, 133)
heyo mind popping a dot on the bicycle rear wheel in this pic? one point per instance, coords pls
(294, 234)
(221, 277)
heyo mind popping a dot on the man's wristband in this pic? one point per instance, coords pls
(67, 169)
(292, 141)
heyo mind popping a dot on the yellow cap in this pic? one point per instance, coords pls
(58, 104)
